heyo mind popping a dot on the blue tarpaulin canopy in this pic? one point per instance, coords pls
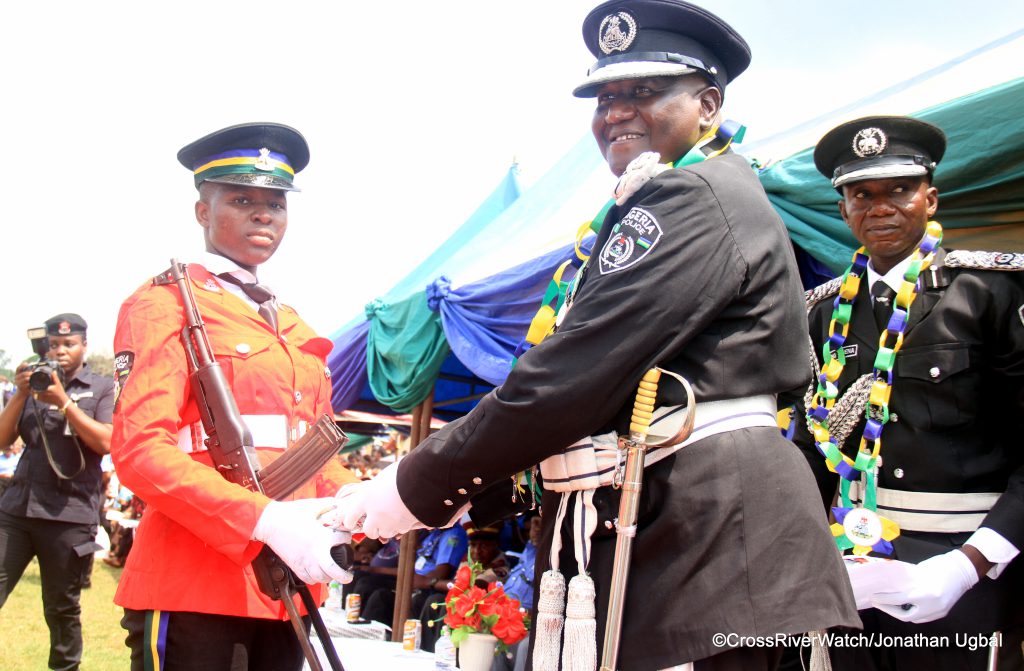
(430, 333)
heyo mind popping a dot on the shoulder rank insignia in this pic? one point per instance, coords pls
(631, 240)
(822, 292)
(962, 258)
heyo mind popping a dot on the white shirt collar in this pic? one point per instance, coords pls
(893, 278)
(218, 264)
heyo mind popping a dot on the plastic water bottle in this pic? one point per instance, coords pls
(444, 652)
(333, 595)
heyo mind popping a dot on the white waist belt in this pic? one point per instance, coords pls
(268, 431)
(943, 512)
(591, 462)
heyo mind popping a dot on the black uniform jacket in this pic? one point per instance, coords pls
(957, 410)
(35, 490)
(717, 299)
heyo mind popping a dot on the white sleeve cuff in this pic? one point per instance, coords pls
(995, 548)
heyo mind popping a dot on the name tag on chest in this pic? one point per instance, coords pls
(849, 351)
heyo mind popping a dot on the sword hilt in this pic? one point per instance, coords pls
(643, 406)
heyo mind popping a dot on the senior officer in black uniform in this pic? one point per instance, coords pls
(49, 511)
(950, 472)
(692, 271)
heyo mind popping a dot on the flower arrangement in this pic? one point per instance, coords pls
(470, 609)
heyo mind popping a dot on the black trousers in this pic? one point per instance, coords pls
(179, 641)
(59, 549)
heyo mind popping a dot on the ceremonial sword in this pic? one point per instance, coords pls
(629, 505)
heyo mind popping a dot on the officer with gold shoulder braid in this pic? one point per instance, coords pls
(918, 411)
(692, 271)
(190, 597)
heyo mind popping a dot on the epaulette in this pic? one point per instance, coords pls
(822, 292)
(1005, 261)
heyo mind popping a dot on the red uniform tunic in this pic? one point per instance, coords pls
(192, 549)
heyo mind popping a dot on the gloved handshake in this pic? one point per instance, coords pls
(374, 507)
(299, 532)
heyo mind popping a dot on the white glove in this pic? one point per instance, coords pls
(375, 507)
(295, 532)
(871, 575)
(640, 170)
(936, 584)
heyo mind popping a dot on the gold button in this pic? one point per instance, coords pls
(449, 502)
(462, 491)
(477, 481)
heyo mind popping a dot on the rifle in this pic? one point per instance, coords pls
(230, 445)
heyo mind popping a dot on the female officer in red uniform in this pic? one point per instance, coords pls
(190, 597)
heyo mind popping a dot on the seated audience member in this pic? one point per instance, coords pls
(484, 550)
(439, 555)
(366, 580)
(519, 583)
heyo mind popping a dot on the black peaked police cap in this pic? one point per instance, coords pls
(65, 323)
(652, 38)
(879, 147)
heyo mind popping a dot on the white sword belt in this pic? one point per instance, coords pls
(592, 462)
(267, 431)
(940, 512)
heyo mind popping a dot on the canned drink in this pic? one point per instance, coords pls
(352, 605)
(412, 635)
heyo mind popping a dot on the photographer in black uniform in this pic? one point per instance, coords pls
(49, 511)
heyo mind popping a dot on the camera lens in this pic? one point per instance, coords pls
(41, 378)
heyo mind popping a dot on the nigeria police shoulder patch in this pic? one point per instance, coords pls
(631, 240)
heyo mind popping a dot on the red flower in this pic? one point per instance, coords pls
(471, 609)
(463, 578)
(509, 628)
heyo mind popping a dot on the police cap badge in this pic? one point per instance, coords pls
(65, 323)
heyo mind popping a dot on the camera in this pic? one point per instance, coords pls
(42, 370)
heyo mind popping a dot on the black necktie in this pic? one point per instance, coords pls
(882, 303)
(259, 294)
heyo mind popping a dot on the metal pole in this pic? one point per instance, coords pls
(993, 651)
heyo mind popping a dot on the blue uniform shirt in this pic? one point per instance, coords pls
(442, 546)
(519, 584)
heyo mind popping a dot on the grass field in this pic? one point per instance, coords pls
(25, 639)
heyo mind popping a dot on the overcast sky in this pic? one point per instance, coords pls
(413, 111)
